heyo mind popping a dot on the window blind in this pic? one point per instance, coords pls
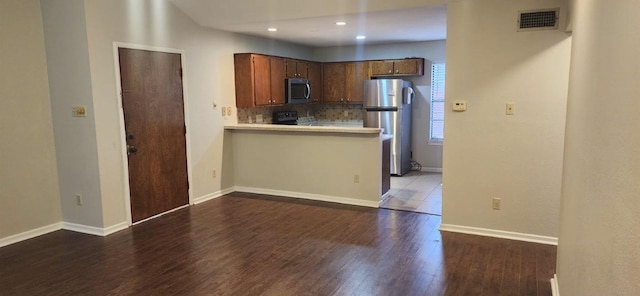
(436, 128)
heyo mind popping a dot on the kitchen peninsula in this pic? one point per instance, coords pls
(325, 163)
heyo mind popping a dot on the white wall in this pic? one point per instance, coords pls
(70, 85)
(430, 156)
(487, 153)
(29, 196)
(318, 166)
(599, 242)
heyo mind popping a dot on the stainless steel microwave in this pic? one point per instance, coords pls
(297, 90)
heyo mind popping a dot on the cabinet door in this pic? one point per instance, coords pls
(277, 81)
(333, 81)
(406, 67)
(261, 80)
(302, 69)
(380, 68)
(243, 68)
(295, 68)
(357, 73)
(290, 68)
(315, 79)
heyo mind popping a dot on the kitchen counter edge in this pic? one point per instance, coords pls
(303, 128)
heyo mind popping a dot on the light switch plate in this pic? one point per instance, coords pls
(79, 111)
(459, 106)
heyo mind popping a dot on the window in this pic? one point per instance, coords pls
(436, 129)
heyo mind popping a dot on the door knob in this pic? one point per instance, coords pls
(131, 149)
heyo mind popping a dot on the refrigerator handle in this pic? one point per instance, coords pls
(407, 97)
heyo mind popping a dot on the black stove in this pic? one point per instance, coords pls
(285, 117)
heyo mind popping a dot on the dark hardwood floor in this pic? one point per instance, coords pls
(244, 244)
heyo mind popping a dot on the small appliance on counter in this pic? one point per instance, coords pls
(285, 117)
(387, 105)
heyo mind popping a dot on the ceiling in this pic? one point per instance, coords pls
(313, 23)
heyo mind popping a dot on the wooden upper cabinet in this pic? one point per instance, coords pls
(333, 82)
(262, 80)
(277, 81)
(296, 68)
(314, 74)
(344, 82)
(381, 68)
(404, 67)
(357, 73)
(259, 80)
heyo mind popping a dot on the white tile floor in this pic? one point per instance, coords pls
(416, 192)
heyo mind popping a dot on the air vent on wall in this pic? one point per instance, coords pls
(533, 20)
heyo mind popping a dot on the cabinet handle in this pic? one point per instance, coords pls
(397, 71)
(390, 71)
(347, 99)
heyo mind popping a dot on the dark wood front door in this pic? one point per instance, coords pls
(155, 131)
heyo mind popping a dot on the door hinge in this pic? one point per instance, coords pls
(185, 129)
(180, 71)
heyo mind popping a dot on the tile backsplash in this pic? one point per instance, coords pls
(322, 112)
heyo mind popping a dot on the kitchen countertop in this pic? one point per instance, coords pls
(303, 128)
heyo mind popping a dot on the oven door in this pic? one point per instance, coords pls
(298, 91)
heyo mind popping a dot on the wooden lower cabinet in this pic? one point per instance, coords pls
(344, 82)
(259, 80)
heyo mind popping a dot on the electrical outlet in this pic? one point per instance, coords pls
(228, 111)
(224, 111)
(213, 173)
(495, 203)
(356, 178)
(511, 108)
(259, 118)
(79, 200)
(346, 113)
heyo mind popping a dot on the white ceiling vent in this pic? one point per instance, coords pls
(534, 20)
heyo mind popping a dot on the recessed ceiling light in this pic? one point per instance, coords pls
(360, 37)
(272, 29)
(340, 23)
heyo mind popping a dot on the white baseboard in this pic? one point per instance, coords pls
(29, 234)
(115, 228)
(384, 197)
(94, 230)
(318, 197)
(555, 289)
(211, 196)
(547, 240)
(431, 170)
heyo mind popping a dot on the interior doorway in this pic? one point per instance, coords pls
(416, 192)
(155, 131)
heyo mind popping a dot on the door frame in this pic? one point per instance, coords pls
(123, 143)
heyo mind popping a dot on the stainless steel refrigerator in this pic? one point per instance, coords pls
(387, 104)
